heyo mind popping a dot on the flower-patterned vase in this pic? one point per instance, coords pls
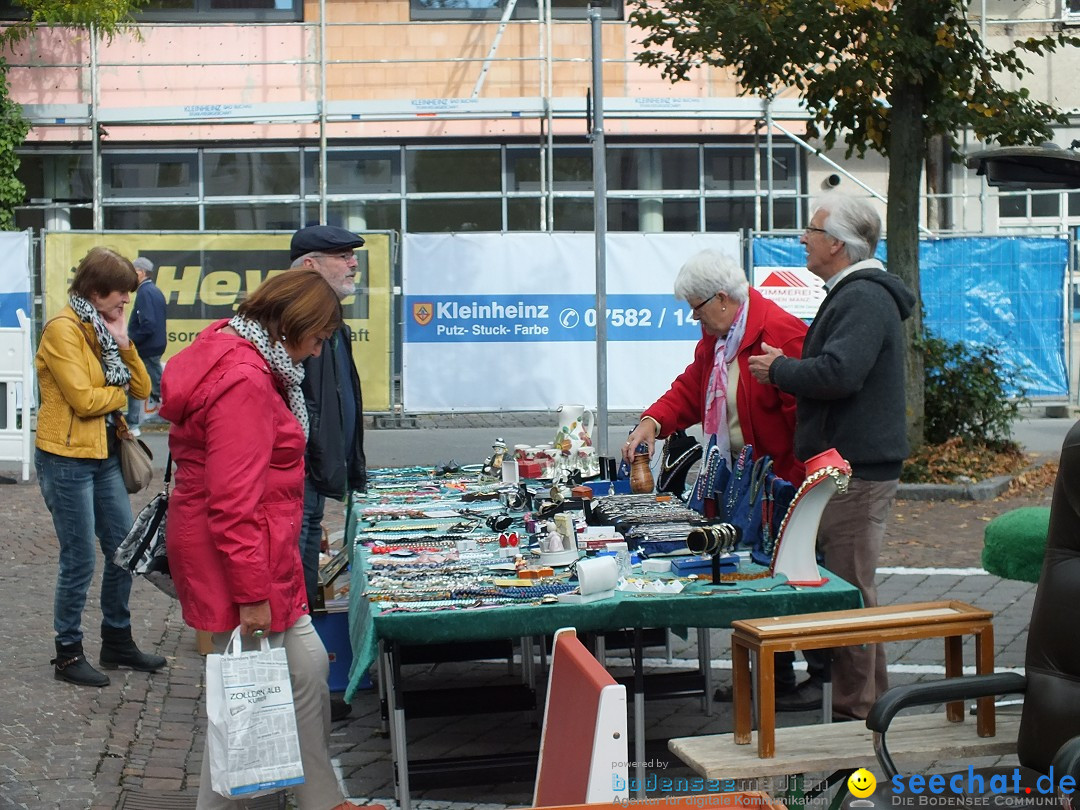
(573, 434)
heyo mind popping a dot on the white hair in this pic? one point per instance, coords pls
(706, 273)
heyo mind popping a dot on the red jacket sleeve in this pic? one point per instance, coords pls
(239, 441)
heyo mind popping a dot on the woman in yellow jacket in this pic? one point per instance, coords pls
(86, 368)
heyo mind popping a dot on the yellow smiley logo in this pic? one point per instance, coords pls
(861, 783)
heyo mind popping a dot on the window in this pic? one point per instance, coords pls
(200, 11)
(732, 169)
(245, 174)
(421, 188)
(222, 11)
(436, 216)
(660, 168)
(653, 215)
(494, 9)
(127, 174)
(572, 169)
(57, 178)
(354, 172)
(738, 212)
(152, 218)
(364, 215)
(523, 170)
(1030, 205)
(573, 215)
(253, 217)
(441, 171)
(523, 213)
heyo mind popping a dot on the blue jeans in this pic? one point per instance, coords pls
(86, 497)
(135, 406)
(311, 538)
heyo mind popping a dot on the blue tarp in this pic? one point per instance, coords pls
(1002, 291)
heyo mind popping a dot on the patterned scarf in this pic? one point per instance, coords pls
(727, 346)
(116, 373)
(288, 374)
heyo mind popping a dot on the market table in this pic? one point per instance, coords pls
(700, 605)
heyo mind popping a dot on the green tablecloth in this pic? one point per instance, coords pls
(698, 606)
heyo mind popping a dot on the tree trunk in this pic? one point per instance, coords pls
(907, 145)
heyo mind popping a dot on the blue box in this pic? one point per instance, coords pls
(603, 487)
(333, 629)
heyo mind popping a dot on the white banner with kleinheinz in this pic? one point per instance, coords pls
(508, 321)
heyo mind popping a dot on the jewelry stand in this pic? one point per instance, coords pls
(796, 545)
(715, 541)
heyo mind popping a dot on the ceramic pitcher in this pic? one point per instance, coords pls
(575, 429)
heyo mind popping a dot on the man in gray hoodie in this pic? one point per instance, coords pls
(849, 390)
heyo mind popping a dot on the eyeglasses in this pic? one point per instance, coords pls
(809, 229)
(695, 310)
(347, 256)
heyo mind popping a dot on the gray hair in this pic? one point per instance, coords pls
(709, 272)
(852, 221)
(144, 264)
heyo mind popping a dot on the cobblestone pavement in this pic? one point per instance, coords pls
(67, 747)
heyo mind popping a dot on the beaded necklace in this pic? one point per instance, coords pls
(743, 467)
(706, 480)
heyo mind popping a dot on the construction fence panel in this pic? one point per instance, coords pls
(205, 275)
(1006, 292)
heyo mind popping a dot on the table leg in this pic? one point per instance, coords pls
(954, 668)
(740, 690)
(826, 689)
(766, 694)
(986, 722)
(398, 747)
(639, 712)
(383, 678)
(528, 674)
(704, 646)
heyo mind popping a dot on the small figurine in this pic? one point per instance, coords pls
(553, 541)
(493, 466)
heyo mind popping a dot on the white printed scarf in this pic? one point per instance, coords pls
(289, 374)
(116, 373)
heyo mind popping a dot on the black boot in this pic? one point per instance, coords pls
(71, 665)
(119, 650)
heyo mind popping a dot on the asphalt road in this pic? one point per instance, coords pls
(401, 447)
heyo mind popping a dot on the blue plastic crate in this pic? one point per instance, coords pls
(333, 629)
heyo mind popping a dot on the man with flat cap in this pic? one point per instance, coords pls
(334, 462)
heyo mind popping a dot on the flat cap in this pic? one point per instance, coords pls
(320, 238)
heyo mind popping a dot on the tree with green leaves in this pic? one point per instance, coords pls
(883, 75)
(105, 18)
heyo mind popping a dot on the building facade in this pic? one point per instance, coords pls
(439, 115)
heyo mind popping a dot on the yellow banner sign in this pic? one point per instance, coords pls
(205, 276)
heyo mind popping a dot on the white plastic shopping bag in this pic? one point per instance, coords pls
(251, 730)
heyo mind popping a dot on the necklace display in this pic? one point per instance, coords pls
(430, 544)
(812, 480)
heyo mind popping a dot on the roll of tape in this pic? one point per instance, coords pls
(597, 574)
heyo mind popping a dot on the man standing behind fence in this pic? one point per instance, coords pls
(849, 394)
(335, 462)
(146, 329)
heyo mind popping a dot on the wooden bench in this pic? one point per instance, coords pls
(845, 628)
(828, 748)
